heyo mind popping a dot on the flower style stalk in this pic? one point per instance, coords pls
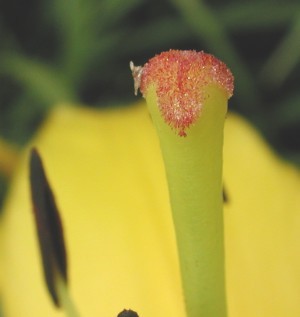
(187, 93)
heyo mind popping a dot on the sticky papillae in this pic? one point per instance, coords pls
(179, 78)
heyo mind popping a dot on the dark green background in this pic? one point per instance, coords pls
(78, 51)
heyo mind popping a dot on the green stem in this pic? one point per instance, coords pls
(66, 302)
(194, 172)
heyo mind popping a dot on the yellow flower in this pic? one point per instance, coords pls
(262, 224)
(107, 173)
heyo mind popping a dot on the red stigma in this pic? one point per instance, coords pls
(179, 78)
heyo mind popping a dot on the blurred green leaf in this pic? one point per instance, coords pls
(112, 12)
(82, 22)
(41, 80)
(256, 15)
(285, 57)
(170, 30)
(288, 112)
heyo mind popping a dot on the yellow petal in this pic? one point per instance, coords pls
(106, 170)
(262, 223)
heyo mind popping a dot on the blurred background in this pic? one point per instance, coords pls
(79, 50)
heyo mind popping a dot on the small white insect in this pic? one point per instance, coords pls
(136, 74)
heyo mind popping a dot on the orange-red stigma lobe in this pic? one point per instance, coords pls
(179, 78)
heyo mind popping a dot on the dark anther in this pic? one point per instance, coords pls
(48, 226)
(128, 313)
